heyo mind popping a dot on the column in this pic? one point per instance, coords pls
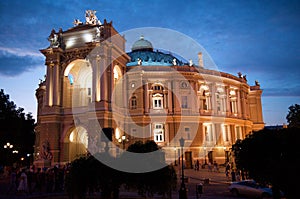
(96, 79)
(49, 84)
(56, 85)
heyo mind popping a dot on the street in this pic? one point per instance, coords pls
(216, 187)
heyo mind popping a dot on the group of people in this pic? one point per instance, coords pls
(234, 174)
(231, 173)
(30, 180)
(212, 167)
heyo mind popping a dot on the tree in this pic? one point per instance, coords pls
(17, 128)
(162, 181)
(293, 116)
(88, 174)
(270, 157)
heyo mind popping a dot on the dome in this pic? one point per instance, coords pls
(142, 44)
(142, 53)
(152, 58)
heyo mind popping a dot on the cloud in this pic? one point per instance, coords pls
(15, 61)
(282, 92)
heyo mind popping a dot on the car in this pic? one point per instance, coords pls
(251, 189)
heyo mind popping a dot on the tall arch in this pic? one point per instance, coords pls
(78, 83)
(75, 143)
(118, 86)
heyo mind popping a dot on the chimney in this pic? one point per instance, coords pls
(200, 60)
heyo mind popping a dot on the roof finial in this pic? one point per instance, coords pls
(142, 37)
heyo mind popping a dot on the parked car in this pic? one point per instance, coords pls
(250, 188)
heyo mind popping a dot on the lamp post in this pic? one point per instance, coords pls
(122, 140)
(182, 191)
(225, 156)
(8, 146)
(204, 149)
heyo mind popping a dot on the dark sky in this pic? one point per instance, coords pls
(258, 38)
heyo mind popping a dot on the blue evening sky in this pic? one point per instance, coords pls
(258, 38)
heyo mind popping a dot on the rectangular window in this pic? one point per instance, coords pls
(226, 133)
(89, 94)
(184, 102)
(133, 131)
(233, 106)
(238, 132)
(208, 132)
(158, 132)
(157, 103)
(133, 103)
(187, 133)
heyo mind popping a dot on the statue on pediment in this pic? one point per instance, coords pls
(77, 22)
(91, 18)
(53, 39)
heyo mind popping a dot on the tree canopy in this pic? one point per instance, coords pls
(89, 174)
(293, 116)
(16, 128)
(270, 157)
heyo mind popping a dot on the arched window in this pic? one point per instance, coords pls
(118, 87)
(205, 98)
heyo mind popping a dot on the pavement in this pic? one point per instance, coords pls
(214, 186)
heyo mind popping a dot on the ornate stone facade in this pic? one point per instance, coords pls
(93, 88)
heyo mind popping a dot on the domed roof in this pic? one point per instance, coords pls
(142, 53)
(152, 58)
(142, 44)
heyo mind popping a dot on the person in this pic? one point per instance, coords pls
(227, 170)
(13, 182)
(233, 177)
(238, 175)
(23, 186)
(227, 166)
(38, 178)
(209, 167)
(216, 167)
(198, 165)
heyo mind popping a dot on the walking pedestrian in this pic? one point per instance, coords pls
(233, 177)
(23, 186)
(13, 182)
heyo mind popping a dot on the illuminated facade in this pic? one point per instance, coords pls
(92, 85)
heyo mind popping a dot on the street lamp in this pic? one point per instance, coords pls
(182, 191)
(204, 149)
(123, 140)
(225, 156)
(8, 146)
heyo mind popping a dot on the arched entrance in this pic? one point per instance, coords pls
(76, 143)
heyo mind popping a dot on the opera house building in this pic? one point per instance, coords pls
(97, 97)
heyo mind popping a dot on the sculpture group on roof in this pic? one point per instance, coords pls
(90, 19)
